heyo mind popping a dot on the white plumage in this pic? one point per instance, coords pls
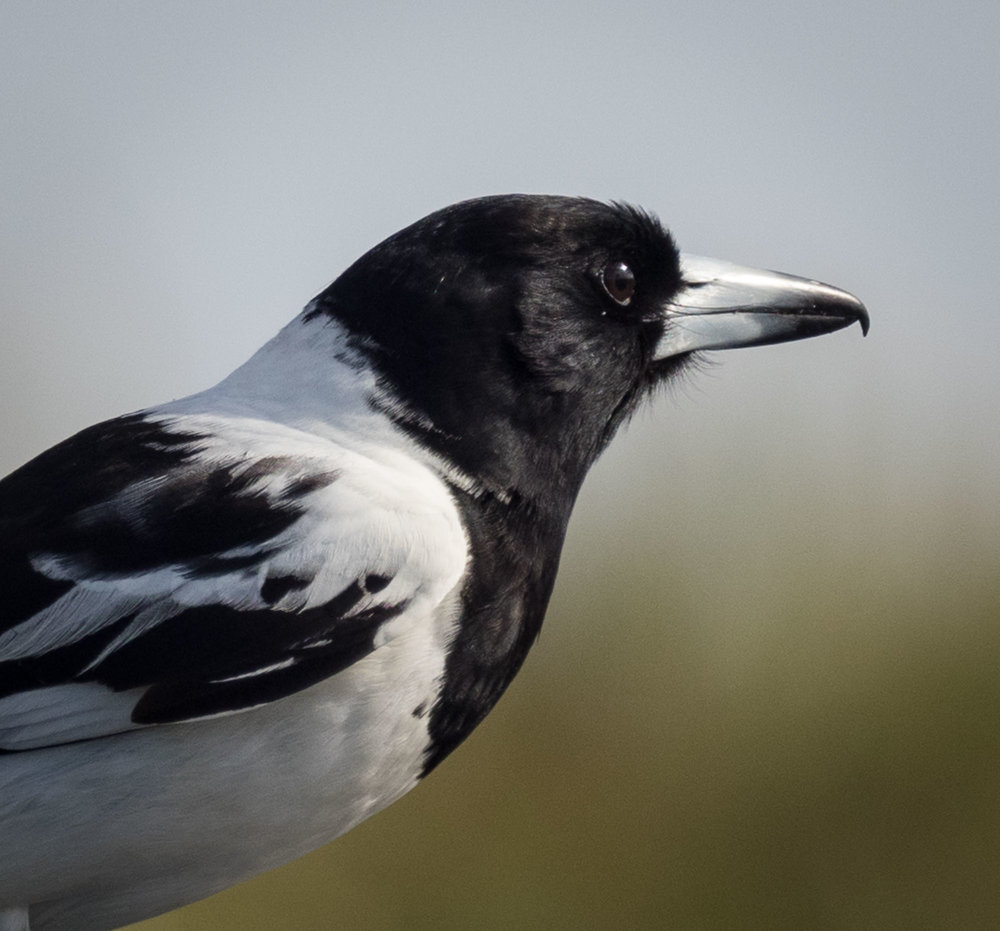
(234, 626)
(342, 748)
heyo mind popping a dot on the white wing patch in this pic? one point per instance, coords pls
(63, 713)
(384, 515)
(83, 610)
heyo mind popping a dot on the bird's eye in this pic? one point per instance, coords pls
(619, 281)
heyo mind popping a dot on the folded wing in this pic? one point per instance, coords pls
(160, 569)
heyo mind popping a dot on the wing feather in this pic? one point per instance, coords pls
(168, 569)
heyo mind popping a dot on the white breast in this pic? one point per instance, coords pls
(113, 830)
(147, 821)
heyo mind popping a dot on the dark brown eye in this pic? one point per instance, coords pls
(619, 282)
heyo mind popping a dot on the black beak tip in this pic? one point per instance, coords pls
(863, 319)
(850, 309)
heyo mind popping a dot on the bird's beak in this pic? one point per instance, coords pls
(723, 306)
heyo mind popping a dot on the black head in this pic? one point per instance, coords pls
(513, 335)
(520, 330)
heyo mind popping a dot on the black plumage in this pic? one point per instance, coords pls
(339, 556)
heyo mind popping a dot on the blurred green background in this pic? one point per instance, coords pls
(766, 693)
(774, 713)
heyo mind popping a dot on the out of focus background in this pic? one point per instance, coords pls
(767, 694)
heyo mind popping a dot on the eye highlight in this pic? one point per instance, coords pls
(619, 282)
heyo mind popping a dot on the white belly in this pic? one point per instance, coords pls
(107, 832)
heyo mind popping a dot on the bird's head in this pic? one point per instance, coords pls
(522, 329)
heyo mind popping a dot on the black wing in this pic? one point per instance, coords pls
(153, 572)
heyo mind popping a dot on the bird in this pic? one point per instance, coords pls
(235, 625)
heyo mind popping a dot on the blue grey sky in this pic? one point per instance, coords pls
(178, 179)
(800, 535)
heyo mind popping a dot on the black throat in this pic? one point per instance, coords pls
(514, 559)
(496, 347)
